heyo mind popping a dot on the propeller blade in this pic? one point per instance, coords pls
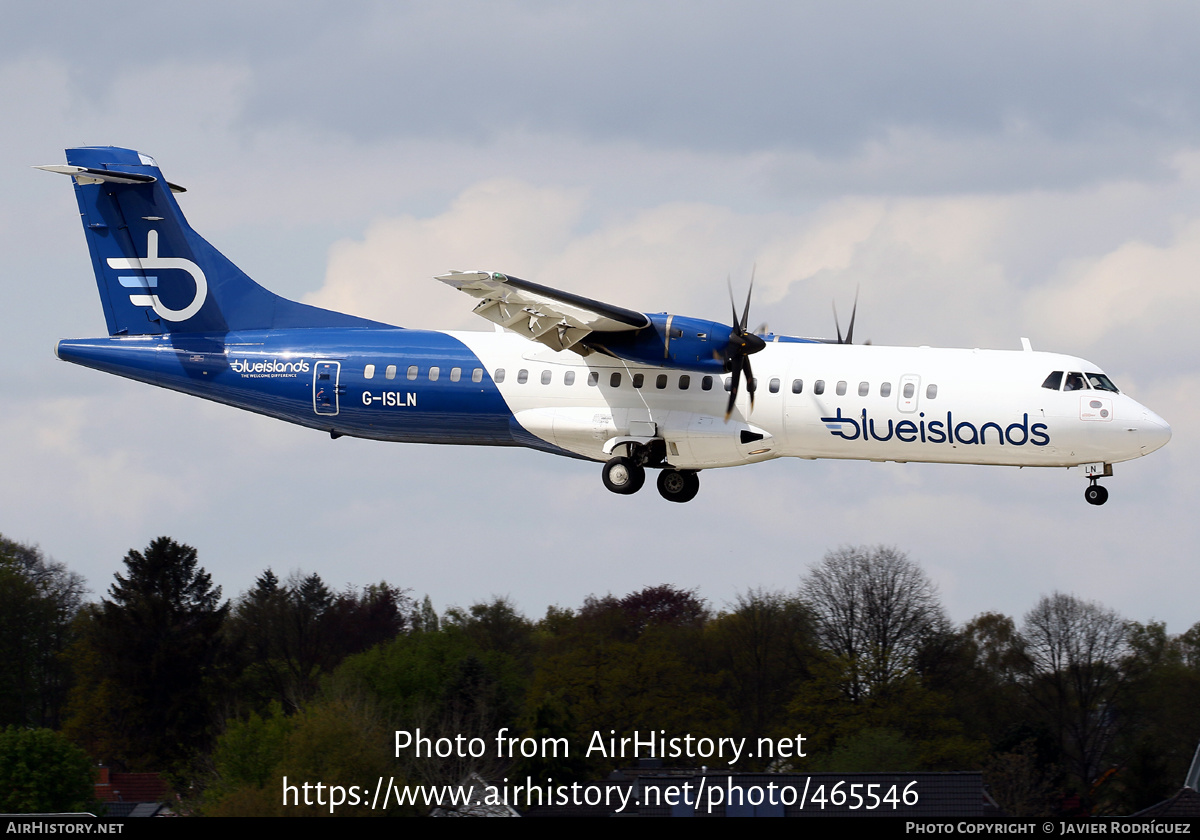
(733, 391)
(836, 325)
(742, 343)
(751, 386)
(853, 313)
(732, 303)
(749, 293)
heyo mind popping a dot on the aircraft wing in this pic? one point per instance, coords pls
(560, 320)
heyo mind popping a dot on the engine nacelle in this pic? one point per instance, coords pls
(670, 341)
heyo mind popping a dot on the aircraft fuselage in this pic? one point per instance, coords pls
(567, 374)
(812, 400)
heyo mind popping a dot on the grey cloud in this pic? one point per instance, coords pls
(1107, 83)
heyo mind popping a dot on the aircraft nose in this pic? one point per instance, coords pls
(1153, 432)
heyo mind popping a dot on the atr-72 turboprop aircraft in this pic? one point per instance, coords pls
(569, 375)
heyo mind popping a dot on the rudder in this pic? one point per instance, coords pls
(155, 274)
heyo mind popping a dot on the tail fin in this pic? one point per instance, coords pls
(157, 275)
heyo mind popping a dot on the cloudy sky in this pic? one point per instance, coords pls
(979, 172)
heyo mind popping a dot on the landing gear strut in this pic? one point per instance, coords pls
(1096, 494)
(678, 485)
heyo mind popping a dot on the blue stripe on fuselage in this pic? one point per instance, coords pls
(272, 373)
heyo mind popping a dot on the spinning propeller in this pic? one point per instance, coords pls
(850, 329)
(742, 344)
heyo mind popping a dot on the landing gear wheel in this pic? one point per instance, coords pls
(678, 485)
(1096, 494)
(623, 475)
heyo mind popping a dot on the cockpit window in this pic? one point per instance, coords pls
(1101, 382)
(1074, 382)
(1053, 381)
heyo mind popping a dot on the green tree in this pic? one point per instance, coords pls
(1158, 729)
(148, 658)
(875, 609)
(339, 739)
(39, 600)
(762, 648)
(1074, 651)
(632, 663)
(289, 636)
(41, 771)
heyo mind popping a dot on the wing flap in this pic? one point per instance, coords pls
(560, 320)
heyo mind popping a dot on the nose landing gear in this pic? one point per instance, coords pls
(1096, 494)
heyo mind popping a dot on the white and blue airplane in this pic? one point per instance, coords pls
(566, 374)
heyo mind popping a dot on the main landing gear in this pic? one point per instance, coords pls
(678, 485)
(625, 475)
(1096, 494)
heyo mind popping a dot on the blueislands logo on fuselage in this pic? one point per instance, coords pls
(269, 368)
(937, 431)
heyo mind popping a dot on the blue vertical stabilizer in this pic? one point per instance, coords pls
(157, 275)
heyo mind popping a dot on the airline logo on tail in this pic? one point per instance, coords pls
(144, 282)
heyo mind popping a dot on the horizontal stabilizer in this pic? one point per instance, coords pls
(86, 175)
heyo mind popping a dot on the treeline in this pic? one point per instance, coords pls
(1070, 709)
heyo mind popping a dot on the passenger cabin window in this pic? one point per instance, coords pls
(1053, 381)
(455, 374)
(706, 383)
(434, 373)
(864, 388)
(728, 383)
(885, 389)
(497, 377)
(390, 372)
(931, 392)
(685, 382)
(546, 377)
(841, 388)
(477, 375)
(909, 390)
(638, 380)
(819, 387)
(1074, 382)
(660, 381)
(412, 373)
(522, 376)
(773, 386)
(569, 378)
(797, 386)
(615, 380)
(369, 372)
(594, 378)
